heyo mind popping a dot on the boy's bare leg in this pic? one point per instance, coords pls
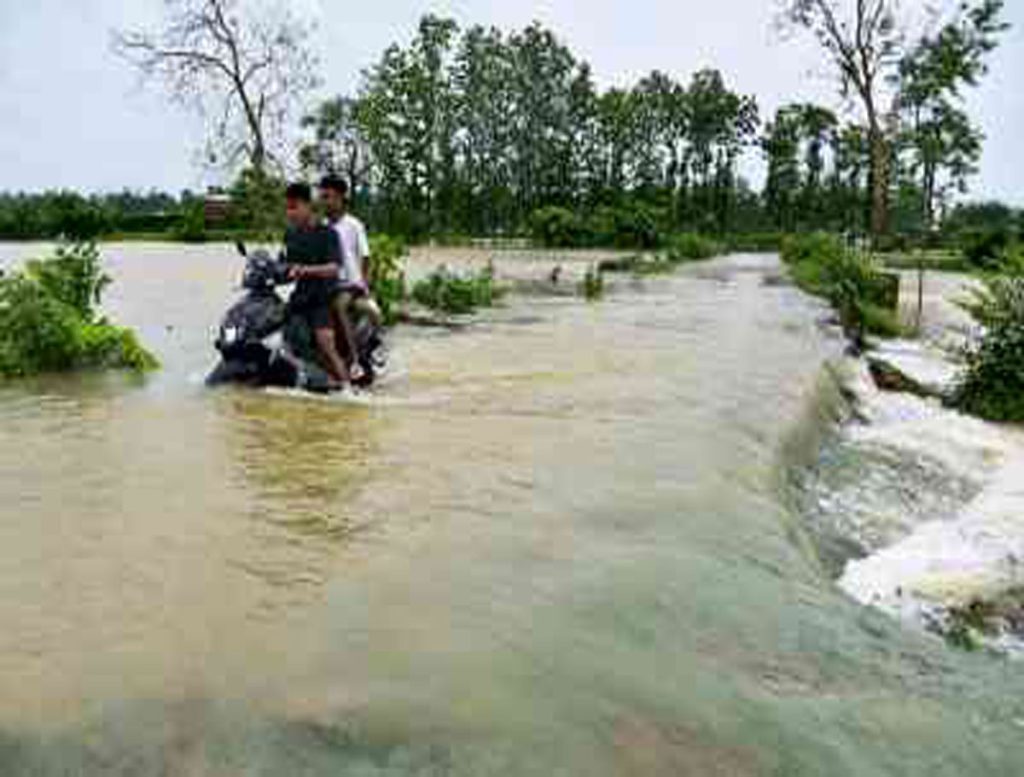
(335, 364)
(348, 332)
(370, 309)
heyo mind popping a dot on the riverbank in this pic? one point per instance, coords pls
(935, 516)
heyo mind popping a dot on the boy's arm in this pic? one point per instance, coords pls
(364, 254)
(326, 271)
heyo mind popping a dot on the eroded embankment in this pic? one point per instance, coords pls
(914, 508)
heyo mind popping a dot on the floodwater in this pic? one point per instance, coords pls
(558, 542)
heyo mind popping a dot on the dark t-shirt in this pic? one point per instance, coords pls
(316, 245)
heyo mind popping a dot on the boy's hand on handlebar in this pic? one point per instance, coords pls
(294, 272)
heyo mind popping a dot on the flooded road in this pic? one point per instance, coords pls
(556, 543)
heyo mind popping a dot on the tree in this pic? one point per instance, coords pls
(337, 144)
(866, 41)
(938, 132)
(243, 67)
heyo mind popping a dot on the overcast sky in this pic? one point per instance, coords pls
(71, 115)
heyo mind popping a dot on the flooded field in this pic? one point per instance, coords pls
(555, 543)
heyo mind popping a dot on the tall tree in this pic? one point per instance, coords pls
(944, 145)
(867, 41)
(243, 67)
(863, 39)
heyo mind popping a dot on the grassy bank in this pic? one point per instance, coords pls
(853, 282)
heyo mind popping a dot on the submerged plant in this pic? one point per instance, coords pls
(49, 320)
(456, 294)
(592, 284)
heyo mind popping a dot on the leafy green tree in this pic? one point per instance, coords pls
(944, 146)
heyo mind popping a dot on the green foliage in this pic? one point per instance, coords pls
(73, 275)
(592, 285)
(986, 249)
(456, 294)
(688, 247)
(992, 385)
(491, 133)
(192, 227)
(851, 281)
(258, 203)
(555, 227)
(38, 332)
(387, 274)
(48, 319)
(109, 347)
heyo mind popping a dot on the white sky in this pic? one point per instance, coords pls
(72, 115)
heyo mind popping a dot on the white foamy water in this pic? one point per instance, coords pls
(951, 561)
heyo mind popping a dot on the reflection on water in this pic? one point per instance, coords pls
(556, 547)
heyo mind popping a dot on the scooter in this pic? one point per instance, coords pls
(246, 337)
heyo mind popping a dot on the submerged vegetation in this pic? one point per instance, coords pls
(592, 285)
(49, 320)
(456, 294)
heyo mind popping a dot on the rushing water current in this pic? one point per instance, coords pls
(556, 543)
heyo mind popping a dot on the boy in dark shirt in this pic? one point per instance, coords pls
(314, 253)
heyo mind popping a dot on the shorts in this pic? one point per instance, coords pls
(356, 298)
(316, 315)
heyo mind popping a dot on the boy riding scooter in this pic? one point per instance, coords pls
(354, 295)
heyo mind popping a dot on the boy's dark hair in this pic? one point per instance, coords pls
(335, 183)
(299, 191)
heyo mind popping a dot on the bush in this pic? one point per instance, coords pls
(592, 285)
(456, 294)
(48, 319)
(73, 275)
(690, 246)
(555, 227)
(387, 275)
(992, 385)
(192, 227)
(851, 281)
(38, 332)
(984, 249)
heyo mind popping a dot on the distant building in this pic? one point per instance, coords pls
(217, 207)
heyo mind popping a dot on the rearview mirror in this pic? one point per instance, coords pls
(240, 247)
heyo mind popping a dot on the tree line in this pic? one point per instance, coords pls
(484, 132)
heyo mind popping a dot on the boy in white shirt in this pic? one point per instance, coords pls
(355, 259)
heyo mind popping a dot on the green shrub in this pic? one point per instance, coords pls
(105, 346)
(555, 227)
(48, 319)
(38, 332)
(992, 385)
(592, 285)
(851, 281)
(192, 228)
(73, 275)
(689, 246)
(387, 274)
(456, 294)
(984, 248)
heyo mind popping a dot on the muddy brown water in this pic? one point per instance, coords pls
(555, 543)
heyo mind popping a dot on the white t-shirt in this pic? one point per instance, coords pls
(354, 249)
